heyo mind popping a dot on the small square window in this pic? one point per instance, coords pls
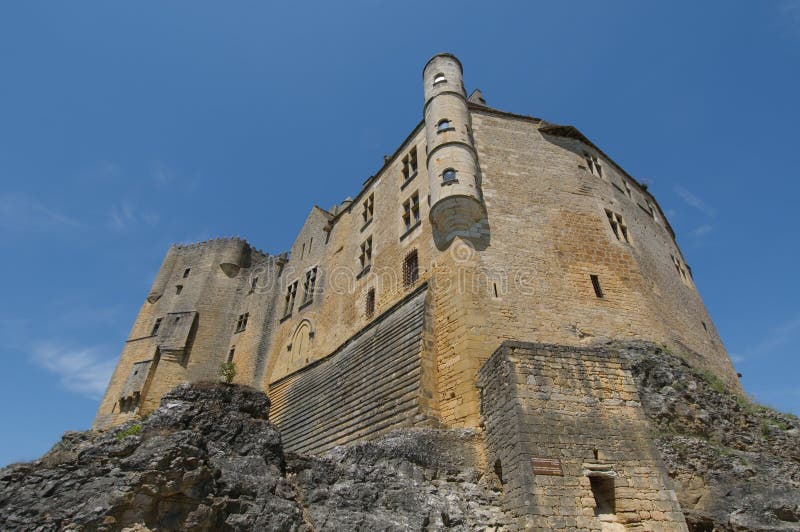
(178, 289)
(439, 78)
(443, 125)
(449, 175)
(231, 353)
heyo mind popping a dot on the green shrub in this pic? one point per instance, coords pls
(133, 430)
(227, 371)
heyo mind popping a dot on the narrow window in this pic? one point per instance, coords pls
(449, 175)
(156, 325)
(410, 164)
(291, 292)
(613, 223)
(705, 327)
(365, 258)
(596, 285)
(603, 492)
(309, 284)
(443, 125)
(410, 269)
(253, 284)
(178, 288)
(495, 289)
(439, 78)
(303, 251)
(369, 304)
(186, 272)
(231, 353)
(369, 208)
(628, 189)
(241, 322)
(411, 211)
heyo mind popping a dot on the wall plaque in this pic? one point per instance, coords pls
(547, 466)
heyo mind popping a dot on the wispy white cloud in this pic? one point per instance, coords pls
(18, 214)
(694, 201)
(127, 216)
(85, 371)
(701, 230)
(776, 338)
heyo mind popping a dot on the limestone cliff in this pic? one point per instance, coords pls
(208, 459)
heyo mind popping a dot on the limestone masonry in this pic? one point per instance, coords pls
(467, 286)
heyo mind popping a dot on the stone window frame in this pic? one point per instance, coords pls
(410, 165)
(368, 210)
(439, 78)
(369, 303)
(448, 180)
(618, 226)
(410, 268)
(289, 298)
(365, 255)
(156, 326)
(186, 272)
(241, 322)
(443, 125)
(593, 164)
(411, 213)
(309, 286)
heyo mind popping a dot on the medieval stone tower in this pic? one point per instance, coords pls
(480, 279)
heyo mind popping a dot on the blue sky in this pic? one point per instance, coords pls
(126, 126)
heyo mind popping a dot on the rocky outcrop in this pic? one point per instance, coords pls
(208, 459)
(736, 465)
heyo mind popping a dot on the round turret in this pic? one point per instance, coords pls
(456, 201)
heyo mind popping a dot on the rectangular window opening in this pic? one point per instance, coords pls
(178, 289)
(410, 268)
(231, 353)
(156, 326)
(410, 164)
(603, 493)
(368, 210)
(241, 322)
(291, 292)
(365, 257)
(309, 284)
(369, 304)
(598, 291)
(186, 272)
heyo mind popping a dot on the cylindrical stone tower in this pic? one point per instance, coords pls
(456, 201)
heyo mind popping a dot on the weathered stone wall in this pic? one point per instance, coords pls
(520, 273)
(370, 385)
(215, 287)
(580, 408)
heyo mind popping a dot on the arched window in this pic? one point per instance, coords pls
(301, 341)
(439, 78)
(443, 125)
(449, 175)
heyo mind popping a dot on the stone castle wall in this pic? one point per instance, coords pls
(521, 272)
(569, 439)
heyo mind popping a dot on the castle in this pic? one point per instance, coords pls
(468, 285)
